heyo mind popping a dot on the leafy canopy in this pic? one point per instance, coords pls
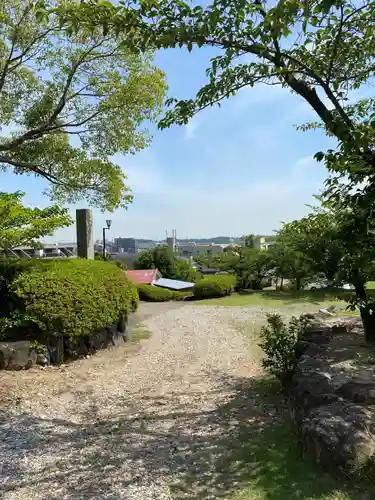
(23, 226)
(71, 100)
(169, 265)
(319, 50)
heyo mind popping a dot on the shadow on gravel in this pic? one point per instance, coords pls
(246, 443)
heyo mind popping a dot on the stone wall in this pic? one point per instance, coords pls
(332, 396)
(22, 355)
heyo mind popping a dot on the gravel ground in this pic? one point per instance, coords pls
(157, 425)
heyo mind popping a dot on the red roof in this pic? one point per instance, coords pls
(143, 276)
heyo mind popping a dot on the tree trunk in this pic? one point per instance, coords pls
(281, 284)
(368, 321)
(276, 281)
(366, 310)
(298, 283)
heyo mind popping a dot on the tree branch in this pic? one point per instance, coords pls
(335, 45)
(30, 167)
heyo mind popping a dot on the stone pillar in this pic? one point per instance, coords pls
(85, 240)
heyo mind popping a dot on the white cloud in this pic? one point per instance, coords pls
(256, 206)
(192, 126)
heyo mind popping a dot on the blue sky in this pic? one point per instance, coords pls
(238, 169)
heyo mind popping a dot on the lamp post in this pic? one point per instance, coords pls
(108, 222)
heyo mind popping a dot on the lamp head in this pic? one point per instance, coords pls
(109, 222)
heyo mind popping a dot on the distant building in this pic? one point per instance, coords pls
(261, 243)
(127, 245)
(192, 249)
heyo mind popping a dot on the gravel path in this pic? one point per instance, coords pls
(157, 425)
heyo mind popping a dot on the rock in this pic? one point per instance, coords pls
(55, 346)
(75, 349)
(43, 357)
(308, 349)
(312, 386)
(317, 336)
(17, 355)
(358, 391)
(339, 329)
(339, 436)
(98, 339)
(325, 312)
(115, 337)
(123, 328)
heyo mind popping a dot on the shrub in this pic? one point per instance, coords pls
(150, 293)
(279, 342)
(214, 286)
(72, 297)
(119, 264)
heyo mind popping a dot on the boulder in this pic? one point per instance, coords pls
(98, 339)
(321, 336)
(325, 312)
(339, 436)
(17, 355)
(55, 346)
(124, 328)
(358, 391)
(75, 348)
(312, 386)
(43, 356)
(115, 338)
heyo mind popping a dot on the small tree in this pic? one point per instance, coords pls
(166, 262)
(289, 259)
(253, 268)
(23, 226)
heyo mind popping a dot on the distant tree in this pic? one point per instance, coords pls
(70, 101)
(289, 260)
(23, 226)
(316, 237)
(169, 265)
(253, 268)
(249, 241)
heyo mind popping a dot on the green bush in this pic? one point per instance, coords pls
(214, 286)
(150, 293)
(279, 342)
(73, 297)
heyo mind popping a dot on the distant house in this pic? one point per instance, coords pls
(143, 276)
(177, 285)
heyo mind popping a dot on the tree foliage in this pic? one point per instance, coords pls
(70, 100)
(24, 226)
(319, 50)
(169, 265)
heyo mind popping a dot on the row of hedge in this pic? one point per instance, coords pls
(150, 293)
(206, 288)
(72, 297)
(215, 286)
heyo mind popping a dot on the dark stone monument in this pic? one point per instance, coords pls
(85, 240)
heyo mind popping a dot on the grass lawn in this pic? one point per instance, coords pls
(273, 298)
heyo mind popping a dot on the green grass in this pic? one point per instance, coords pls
(273, 298)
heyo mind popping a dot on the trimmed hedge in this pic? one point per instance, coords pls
(214, 286)
(150, 293)
(72, 297)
